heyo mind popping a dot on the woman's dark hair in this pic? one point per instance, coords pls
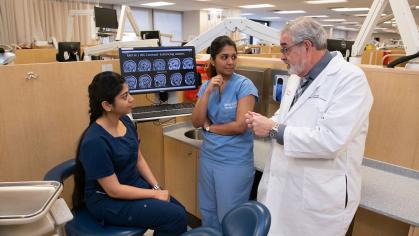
(216, 46)
(105, 86)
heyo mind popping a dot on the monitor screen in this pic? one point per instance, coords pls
(343, 46)
(152, 34)
(159, 69)
(68, 51)
(106, 18)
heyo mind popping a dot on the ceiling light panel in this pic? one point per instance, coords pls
(349, 9)
(158, 4)
(324, 1)
(317, 16)
(291, 12)
(257, 6)
(365, 15)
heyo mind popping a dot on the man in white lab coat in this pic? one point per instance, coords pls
(312, 182)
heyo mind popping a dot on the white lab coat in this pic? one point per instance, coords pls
(305, 181)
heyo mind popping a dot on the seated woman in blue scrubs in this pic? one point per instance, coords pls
(112, 178)
(226, 159)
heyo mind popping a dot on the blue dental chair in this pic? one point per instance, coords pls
(248, 219)
(83, 223)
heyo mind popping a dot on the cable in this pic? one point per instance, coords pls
(402, 59)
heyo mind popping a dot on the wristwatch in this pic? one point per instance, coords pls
(274, 131)
(157, 187)
(207, 128)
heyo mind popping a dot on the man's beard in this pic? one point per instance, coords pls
(298, 68)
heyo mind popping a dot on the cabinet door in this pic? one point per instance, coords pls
(151, 147)
(180, 172)
(198, 212)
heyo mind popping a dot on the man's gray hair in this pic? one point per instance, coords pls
(305, 28)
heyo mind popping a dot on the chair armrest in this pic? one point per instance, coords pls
(61, 171)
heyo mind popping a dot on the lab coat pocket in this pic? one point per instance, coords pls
(324, 191)
(318, 101)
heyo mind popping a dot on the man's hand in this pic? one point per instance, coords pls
(260, 124)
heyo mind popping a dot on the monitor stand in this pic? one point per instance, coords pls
(169, 97)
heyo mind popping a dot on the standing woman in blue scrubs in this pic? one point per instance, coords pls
(112, 178)
(226, 159)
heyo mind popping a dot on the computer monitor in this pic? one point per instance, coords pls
(159, 69)
(68, 51)
(343, 46)
(106, 18)
(151, 34)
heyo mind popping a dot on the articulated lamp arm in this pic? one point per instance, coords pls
(405, 23)
(102, 48)
(234, 24)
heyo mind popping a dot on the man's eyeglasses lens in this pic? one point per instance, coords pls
(287, 49)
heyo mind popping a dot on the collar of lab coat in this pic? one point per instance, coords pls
(331, 69)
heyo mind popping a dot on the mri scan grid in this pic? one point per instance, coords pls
(174, 64)
(159, 80)
(131, 81)
(149, 69)
(176, 79)
(190, 78)
(129, 66)
(159, 64)
(144, 65)
(144, 81)
(188, 63)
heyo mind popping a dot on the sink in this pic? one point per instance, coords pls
(194, 134)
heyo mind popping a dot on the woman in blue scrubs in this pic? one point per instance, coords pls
(112, 178)
(226, 160)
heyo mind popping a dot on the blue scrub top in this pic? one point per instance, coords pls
(102, 155)
(231, 149)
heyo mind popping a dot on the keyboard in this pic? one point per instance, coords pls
(156, 112)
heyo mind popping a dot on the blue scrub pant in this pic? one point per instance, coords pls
(222, 187)
(165, 218)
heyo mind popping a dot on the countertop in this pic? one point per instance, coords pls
(177, 131)
(387, 189)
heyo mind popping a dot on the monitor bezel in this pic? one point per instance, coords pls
(333, 43)
(144, 32)
(173, 89)
(65, 45)
(115, 26)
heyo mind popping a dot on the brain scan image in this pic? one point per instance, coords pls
(131, 81)
(174, 64)
(144, 81)
(144, 65)
(129, 66)
(190, 78)
(159, 64)
(176, 79)
(159, 80)
(187, 63)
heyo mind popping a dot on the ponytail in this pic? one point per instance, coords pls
(104, 87)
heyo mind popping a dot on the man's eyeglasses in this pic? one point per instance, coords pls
(285, 50)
